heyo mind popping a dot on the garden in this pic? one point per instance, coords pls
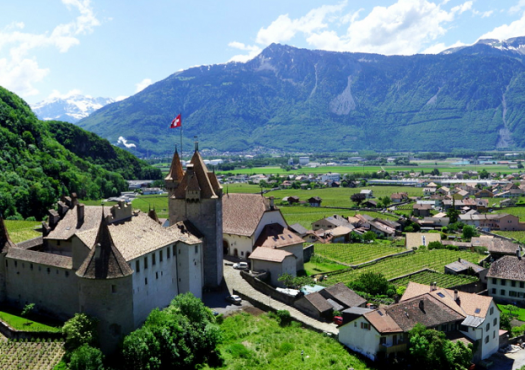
(40, 354)
(22, 230)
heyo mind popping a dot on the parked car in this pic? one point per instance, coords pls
(338, 320)
(241, 266)
(235, 299)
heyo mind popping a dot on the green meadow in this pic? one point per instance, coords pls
(22, 230)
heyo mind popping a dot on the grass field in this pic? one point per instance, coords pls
(442, 280)
(355, 253)
(259, 342)
(319, 265)
(157, 202)
(519, 311)
(30, 355)
(22, 230)
(16, 321)
(397, 266)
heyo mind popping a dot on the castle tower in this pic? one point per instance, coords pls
(196, 196)
(5, 245)
(105, 289)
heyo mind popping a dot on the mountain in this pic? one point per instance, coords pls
(514, 47)
(70, 109)
(42, 160)
(311, 100)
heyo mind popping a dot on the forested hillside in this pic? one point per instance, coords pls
(35, 168)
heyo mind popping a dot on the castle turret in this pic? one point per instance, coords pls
(197, 198)
(105, 289)
(174, 177)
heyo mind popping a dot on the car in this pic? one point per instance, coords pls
(338, 320)
(241, 266)
(235, 299)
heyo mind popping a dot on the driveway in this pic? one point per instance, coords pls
(509, 361)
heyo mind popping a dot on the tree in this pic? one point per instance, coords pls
(483, 174)
(294, 282)
(469, 232)
(435, 172)
(369, 236)
(79, 330)
(373, 283)
(508, 313)
(386, 201)
(435, 245)
(358, 198)
(429, 349)
(453, 213)
(86, 358)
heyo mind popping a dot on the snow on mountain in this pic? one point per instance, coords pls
(70, 109)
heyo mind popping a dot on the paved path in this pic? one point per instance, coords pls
(235, 281)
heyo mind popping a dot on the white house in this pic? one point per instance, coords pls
(277, 262)
(383, 333)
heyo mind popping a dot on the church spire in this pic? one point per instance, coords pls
(104, 261)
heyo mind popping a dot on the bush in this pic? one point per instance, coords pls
(79, 330)
(86, 358)
(284, 317)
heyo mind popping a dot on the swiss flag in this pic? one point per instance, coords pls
(177, 122)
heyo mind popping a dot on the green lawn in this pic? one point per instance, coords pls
(22, 230)
(16, 321)
(319, 265)
(520, 311)
(157, 202)
(259, 342)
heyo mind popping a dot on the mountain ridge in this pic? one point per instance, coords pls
(291, 99)
(69, 109)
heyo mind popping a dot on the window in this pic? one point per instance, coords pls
(512, 283)
(494, 334)
(365, 325)
(168, 252)
(512, 293)
(495, 321)
(382, 340)
(502, 292)
(113, 288)
(160, 255)
(31, 266)
(522, 284)
(487, 339)
(494, 281)
(67, 274)
(503, 282)
(487, 328)
(137, 266)
(493, 290)
(196, 249)
(153, 259)
(173, 251)
(145, 281)
(48, 270)
(492, 310)
(156, 275)
(145, 262)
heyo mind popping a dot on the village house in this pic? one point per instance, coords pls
(330, 222)
(399, 197)
(383, 333)
(368, 193)
(500, 221)
(497, 247)
(315, 201)
(276, 262)
(506, 279)
(465, 267)
(422, 210)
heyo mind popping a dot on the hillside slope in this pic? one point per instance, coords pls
(35, 169)
(298, 99)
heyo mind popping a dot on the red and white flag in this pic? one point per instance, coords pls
(177, 122)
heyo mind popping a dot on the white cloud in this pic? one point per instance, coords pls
(517, 8)
(55, 94)
(405, 27)
(253, 52)
(122, 97)
(507, 31)
(439, 47)
(143, 84)
(20, 72)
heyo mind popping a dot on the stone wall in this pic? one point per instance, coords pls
(269, 290)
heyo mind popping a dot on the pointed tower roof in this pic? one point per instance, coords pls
(176, 173)
(5, 240)
(104, 261)
(198, 178)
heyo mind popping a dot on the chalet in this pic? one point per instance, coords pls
(383, 333)
(315, 201)
(429, 191)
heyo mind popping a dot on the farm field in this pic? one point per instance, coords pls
(157, 202)
(22, 230)
(30, 355)
(259, 342)
(355, 253)
(397, 266)
(442, 280)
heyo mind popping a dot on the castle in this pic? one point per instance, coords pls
(117, 264)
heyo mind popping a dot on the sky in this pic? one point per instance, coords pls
(57, 48)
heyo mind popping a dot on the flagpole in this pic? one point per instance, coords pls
(181, 139)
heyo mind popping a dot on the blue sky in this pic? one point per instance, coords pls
(115, 48)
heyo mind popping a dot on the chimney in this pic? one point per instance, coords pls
(272, 203)
(455, 295)
(80, 215)
(74, 200)
(518, 253)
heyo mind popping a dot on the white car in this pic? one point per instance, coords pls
(235, 299)
(241, 266)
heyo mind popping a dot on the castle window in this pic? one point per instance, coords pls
(67, 273)
(31, 266)
(48, 270)
(160, 255)
(156, 275)
(5, 263)
(145, 262)
(137, 265)
(168, 252)
(58, 242)
(173, 251)
(153, 255)
(196, 249)
(16, 263)
(145, 281)
(113, 288)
